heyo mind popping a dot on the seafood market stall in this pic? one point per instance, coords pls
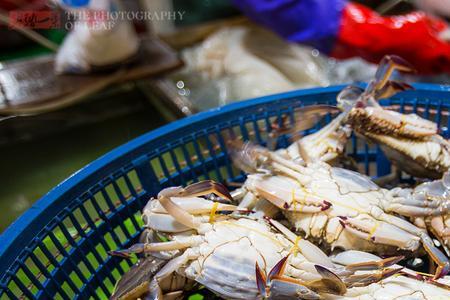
(97, 211)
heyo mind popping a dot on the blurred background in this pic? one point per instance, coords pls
(68, 95)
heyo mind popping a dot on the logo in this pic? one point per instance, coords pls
(45, 19)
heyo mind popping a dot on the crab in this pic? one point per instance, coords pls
(336, 207)
(328, 144)
(242, 257)
(406, 284)
(135, 282)
(412, 143)
(436, 195)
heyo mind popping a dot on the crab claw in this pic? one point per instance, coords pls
(387, 66)
(134, 283)
(275, 286)
(443, 264)
(287, 288)
(391, 88)
(261, 281)
(207, 187)
(197, 189)
(330, 282)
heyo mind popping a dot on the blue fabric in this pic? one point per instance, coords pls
(313, 22)
(76, 3)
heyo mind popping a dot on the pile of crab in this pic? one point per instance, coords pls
(302, 226)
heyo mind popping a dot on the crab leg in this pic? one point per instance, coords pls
(440, 230)
(248, 201)
(355, 260)
(374, 264)
(238, 194)
(359, 261)
(419, 211)
(196, 189)
(309, 115)
(279, 160)
(437, 256)
(389, 237)
(396, 221)
(275, 285)
(391, 88)
(174, 264)
(387, 66)
(164, 223)
(194, 205)
(157, 247)
(368, 278)
(135, 282)
(443, 264)
(417, 205)
(287, 197)
(380, 232)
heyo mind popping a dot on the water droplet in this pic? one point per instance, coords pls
(180, 84)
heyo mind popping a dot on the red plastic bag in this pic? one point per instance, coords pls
(414, 36)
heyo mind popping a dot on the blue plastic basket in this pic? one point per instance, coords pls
(58, 248)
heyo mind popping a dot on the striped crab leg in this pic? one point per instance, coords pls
(395, 231)
(329, 280)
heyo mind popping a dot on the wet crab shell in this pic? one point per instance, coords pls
(381, 121)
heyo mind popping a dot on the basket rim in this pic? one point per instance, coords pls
(19, 233)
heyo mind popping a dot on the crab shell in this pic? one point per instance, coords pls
(351, 220)
(424, 158)
(387, 122)
(409, 141)
(222, 257)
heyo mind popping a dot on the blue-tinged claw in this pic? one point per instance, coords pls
(278, 269)
(261, 281)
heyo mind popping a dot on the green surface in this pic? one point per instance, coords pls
(34, 49)
(32, 168)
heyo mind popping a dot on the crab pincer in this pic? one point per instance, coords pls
(275, 286)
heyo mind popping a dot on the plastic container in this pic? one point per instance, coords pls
(58, 248)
